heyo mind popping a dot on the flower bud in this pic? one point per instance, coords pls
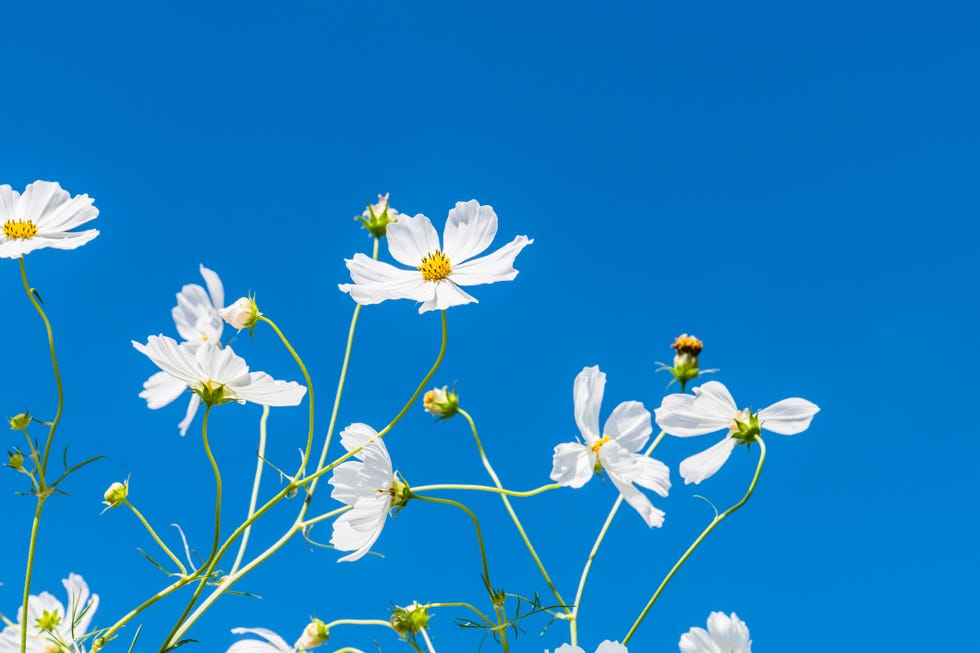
(243, 314)
(315, 634)
(116, 494)
(378, 216)
(687, 348)
(410, 619)
(15, 459)
(20, 422)
(441, 402)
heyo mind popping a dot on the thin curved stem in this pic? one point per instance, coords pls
(486, 488)
(428, 642)
(510, 511)
(359, 622)
(156, 538)
(217, 484)
(459, 604)
(31, 549)
(714, 522)
(309, 388)
(109, 632)
(573, 622)
(263, 422)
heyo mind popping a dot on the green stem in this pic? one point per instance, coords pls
(156, 538)
(255, 485)
(714, 522)
(486, 488)
(358, 622)
(460, 605)
(573, 622)
(217, 484)
(510, 511)
(30, 570)
(428, 642)
(103, 639)
(309, 388)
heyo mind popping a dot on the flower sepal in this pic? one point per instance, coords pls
(400, 493)
(213, 393)
(441, 402)
(377, 217)
(745, 427)
(315, 634)
(20, 422)
(410, 620)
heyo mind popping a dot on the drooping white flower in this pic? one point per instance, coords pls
(605, 647)
(197, 320)
(218, 375)
(242, 314)
(50, 627)
(614, 448)
(369, 485)
(724, 635)
(273, 644)
(43, 216)
(712, 408)
(437, 272)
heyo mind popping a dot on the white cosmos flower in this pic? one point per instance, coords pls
(273, 644)
(605, 647)
(724, 635)
(50, 627)
(197, 320)
(614, 448)
(437, 272)
(369, 485)
(42, 217)
(712, 408)
(218, 373)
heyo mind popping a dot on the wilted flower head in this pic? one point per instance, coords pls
(613, 449)
(43, 216)
(436, 272)
(409, 620)
(441, 402)
(712, 408)
(377, 217)
(242, 314)
(724, 635)
(51, 627)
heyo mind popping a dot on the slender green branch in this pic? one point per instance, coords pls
(476, 525)
(31, 549)
(714, 522)
(428, 642)
(263, 422)
(573, 622)
(217, 483)
(156, 538)
(510, 511)
(106, 636)
(359, 622)
(319, 518)
(486, 488)
(460, 605)
(309, 389)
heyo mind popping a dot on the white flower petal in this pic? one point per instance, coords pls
(729, 633)
(708, 410)
(81, 608)
(39, 200)
(611, 647)
(276, 643)
(69, 214)
(652, 474)
(629, 425)
(568, 648)
(8, 202)
(572, 464)
(447, 294)
(357, 529)
(192, 406)
(376, 281)
(697, 640)
(215, 288)
(497, 266)
(788, 417)
(587, 393)
(353, 480)
(469, 230)
(263, 389)
(703, 465)
(161, 389)
(651, 515)
(411, 239)
(52, 211)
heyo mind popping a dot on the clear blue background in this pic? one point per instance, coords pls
(796, 184)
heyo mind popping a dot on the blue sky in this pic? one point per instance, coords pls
(796, 185)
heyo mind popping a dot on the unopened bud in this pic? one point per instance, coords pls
(410, 619)
(378, 216)
(116, 494)
(20, 422)
(15, 459)
(243, 314)
(315, 634)
(441, 402)
(687, 348)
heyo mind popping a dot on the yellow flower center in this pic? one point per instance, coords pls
(435, 266)
(598, 443)
(19, 229)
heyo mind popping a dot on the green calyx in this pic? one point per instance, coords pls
(377, 225)
(48, 621)
(746, 431)
(213, 393)
(20, 422)
(410, 620)
(400, 494)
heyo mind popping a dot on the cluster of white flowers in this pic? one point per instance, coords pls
(366, 483)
